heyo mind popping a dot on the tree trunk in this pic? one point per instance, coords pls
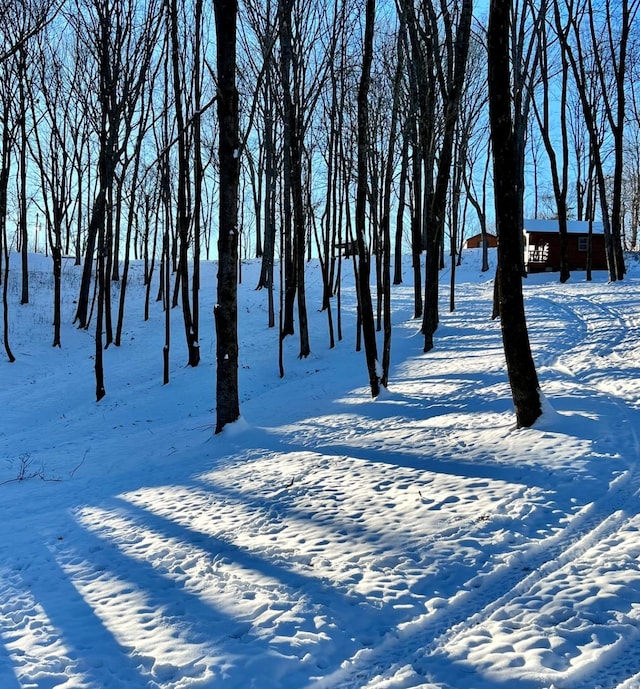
(198, 176)
(385, 222)
(520, 366)
(98, 363)
(404, 163)
(183, 214)
(619, 146)
(293, 160)
(270, 196)
(24, 229)
(288, 250)
(226, 310)
(164, 282)
(149, 262)
(416, 219)
(452, 85)
(559, 177)
(4, 248)
(364, 267)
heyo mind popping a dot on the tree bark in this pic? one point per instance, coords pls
(520, 366)
(294, 199)
(5, 168)
(385, 221)
(364, 266)
(183, 217)
(451, 86)
(23, 222)
(559, 173)
(402, 186)
(226, 310)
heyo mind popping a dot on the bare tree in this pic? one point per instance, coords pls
(508, 203)
(135, 204)
(451, 81)
(632, 157)
(187, 204)
(364, 266)
(418, 141)
(266, 170)
(122, 56)
(475, 139)
(20, 23)
(558, 163)
(385, 221)
(22, 20)
(597, 54)
(6, 120)
(23, 223)
(330, 245)
(122, 52)
(226, 310)
(439, 46)
(299, 25)
(52, 148)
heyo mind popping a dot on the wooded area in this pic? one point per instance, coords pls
(352, 132)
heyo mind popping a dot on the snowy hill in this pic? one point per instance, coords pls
(326, 540)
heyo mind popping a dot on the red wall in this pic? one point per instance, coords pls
(577, 258)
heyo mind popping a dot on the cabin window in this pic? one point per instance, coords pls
(583, 243)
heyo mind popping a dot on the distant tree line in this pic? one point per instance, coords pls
(166, 132)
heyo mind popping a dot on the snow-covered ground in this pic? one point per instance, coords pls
(326, 540)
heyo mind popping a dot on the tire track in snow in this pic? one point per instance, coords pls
(414, 642)
(608, 333)
(604, 330)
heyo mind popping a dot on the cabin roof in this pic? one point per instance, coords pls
(551, 226)
(479, 234)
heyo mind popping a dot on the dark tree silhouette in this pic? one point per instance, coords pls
(226, 310)
(364, 263)
(520, 367)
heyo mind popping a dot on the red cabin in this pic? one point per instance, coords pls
(475, 242)
(542, 245)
